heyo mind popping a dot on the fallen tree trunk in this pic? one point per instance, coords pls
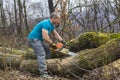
(83, 62)
(107, 72)
(10, 60)
(29, 53)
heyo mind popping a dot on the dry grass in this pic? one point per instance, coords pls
(17, 75)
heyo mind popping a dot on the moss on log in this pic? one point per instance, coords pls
(81, 63)
(90, 40)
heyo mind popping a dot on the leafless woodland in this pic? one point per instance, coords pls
(77, 16)
(18, 17)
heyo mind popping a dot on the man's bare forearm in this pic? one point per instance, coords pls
(57, 35)
(46, 36)
(47, 39)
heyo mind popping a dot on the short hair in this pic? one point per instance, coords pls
(54, 15)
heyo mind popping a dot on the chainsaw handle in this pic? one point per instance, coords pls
(59, 46)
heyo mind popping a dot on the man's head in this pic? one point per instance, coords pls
(55, 18)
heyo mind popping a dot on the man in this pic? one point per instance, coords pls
(39, 36)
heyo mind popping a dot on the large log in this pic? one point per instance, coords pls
(29, 53)
(107, 72)
(10, 60)
(81, 63)
(90, 40)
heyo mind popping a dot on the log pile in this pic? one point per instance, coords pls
(83, 62)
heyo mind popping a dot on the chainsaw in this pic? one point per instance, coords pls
(62, 49)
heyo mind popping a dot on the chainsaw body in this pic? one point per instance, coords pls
(60, 48)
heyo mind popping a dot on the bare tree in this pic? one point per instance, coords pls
(15, 12)
(19, 28)
(1, 7)
(25, 16)
(51, 7)
(2, 14)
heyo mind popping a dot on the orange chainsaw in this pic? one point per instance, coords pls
(62, 49)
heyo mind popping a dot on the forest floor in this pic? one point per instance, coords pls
(111, 72)
(18, 75)
(13, 74)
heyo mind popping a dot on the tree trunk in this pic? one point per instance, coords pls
(19, 29)
(51, 7)
(10, 60)
(25, 17)
(15, 11)
(2, 15)
(83, 62)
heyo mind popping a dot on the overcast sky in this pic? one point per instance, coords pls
(44, 6)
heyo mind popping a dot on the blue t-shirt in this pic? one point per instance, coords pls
(36, 33)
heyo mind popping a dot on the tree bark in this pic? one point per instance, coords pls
(15, 12)
(25, 17)
(19, 28)
(2, 15)
(51, 7)
(83, 62)
(10, 60)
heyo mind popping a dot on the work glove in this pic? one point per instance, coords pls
(53, 46)
(64, 43)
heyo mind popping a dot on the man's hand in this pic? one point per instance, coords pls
(63, 42)
(53, 46)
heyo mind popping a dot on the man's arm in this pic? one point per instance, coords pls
(46, 36)
(55, 33)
